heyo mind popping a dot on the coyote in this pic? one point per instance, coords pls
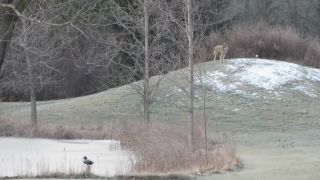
(222, 50)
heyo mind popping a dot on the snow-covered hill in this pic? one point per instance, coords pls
(251, 76)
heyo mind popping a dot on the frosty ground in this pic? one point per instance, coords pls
(270, 108)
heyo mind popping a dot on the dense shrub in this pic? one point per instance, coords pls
(163, 148)
(270, 42)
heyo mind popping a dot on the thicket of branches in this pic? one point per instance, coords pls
(82, 47)
(269, 42)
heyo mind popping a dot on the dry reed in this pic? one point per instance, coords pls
(163, 148)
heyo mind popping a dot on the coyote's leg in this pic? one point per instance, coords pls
(223, 55)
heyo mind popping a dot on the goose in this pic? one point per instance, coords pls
(87, 161)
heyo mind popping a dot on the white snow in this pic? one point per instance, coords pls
(216, 81)
(267, 75)
(306, 90)
(313, 74)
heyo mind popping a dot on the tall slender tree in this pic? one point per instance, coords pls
(146, 100)
(190, 68)
(28, 57)
(143, 30)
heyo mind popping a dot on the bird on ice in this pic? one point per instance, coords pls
(87, 161)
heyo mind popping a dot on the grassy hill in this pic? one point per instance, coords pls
(242, 95)
(271, 108)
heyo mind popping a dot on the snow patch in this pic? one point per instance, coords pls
(267, 75)
(313, 74)
(215, 80)
(306, 90)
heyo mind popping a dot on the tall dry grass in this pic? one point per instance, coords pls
(163, 148)
(9, 127)
(270, 42)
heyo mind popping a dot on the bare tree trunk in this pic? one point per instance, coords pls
(191, 93)
(33, 99)
(205, 112)
(146, 99)
(32, 91)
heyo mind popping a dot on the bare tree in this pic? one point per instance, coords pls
(146, 103)
(33, 99)
(190, 30)
(203, 54)
(80, 50)
(142, 42)
(35, 46)
(25, 42)
(28, 41)
(191, 78)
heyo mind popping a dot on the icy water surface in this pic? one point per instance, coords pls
(21, 157)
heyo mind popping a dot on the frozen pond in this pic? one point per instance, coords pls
(19, 156)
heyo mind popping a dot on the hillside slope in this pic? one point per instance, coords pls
(231, 86)
(272, 108)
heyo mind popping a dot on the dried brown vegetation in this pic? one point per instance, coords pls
(9, 127)
(164, 148)
(270, 42)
